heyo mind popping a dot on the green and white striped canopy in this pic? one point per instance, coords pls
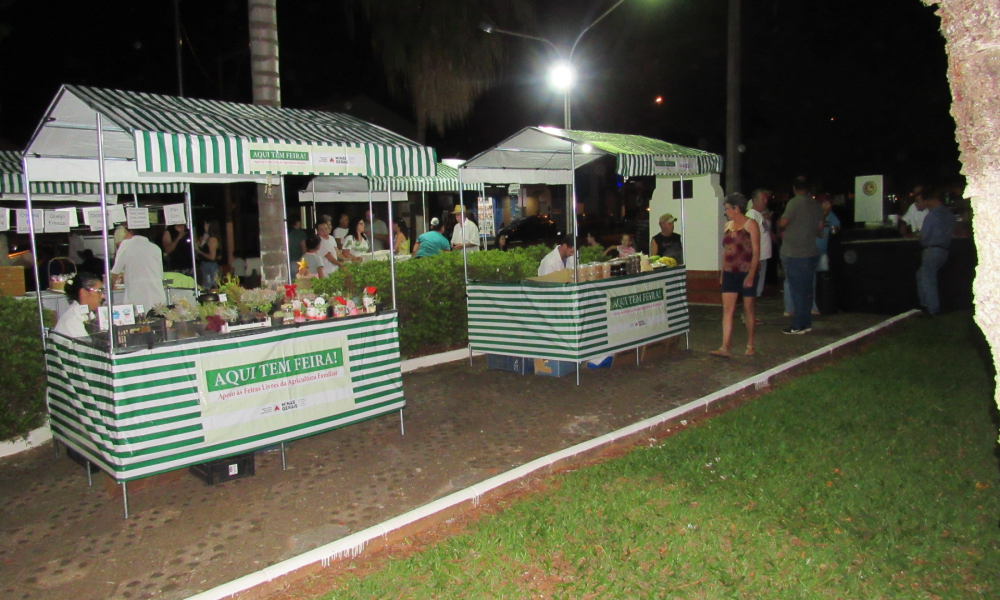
(446, 180)
(12, 184)
(543, 155)
(149, 136)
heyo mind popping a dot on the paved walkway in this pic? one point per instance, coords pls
(61, 539)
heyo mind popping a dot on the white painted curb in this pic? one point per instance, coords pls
(354, 544)
(34, 438)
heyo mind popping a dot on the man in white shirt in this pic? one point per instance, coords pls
(327, 249)
(913, 220)
(758, 212)
(556, 260)
(140, 261)
(380, 231)
(470, 239)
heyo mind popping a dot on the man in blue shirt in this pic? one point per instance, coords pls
(433, 242)
(935, 237)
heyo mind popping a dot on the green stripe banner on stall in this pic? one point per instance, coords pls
(577, 322)
(181, 404)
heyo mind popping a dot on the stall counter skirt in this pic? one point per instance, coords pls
(140, 414)
(572, 322)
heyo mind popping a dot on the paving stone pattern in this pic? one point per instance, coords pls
(61, 539)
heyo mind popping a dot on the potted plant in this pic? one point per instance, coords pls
(180, 318)
(216, 315)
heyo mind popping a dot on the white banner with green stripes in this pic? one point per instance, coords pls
(566, 321)
(152, 411)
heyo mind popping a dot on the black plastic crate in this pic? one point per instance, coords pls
(225, 469)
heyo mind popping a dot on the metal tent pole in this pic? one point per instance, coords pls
(572, 207)
(191, 232)
(402, 427)
(392, 257)
(423, 206)
(683, 223)
(102, 193)
(34, 260)
(284, 218)
(125, 497)
(465, 256)
(371, 234)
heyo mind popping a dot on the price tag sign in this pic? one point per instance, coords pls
(37, 216)
(56, 221)
(71, 212)
(174, 214)
(116, 214)
(92, 217)
(4, 219)
(138, 218)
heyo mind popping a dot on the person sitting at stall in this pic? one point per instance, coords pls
(327, 250)
(86, 292)
(591, 240)
(207, 249)
(556, 260)
(314, 263)
(400, 238)
(626, 248)
(138, 260)
(356, 243)
(667, 243)
(433, 242)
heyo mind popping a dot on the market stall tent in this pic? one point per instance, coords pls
(549, 155)
(127, 428)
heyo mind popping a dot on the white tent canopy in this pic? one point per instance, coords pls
(547, 155)
(342, 189)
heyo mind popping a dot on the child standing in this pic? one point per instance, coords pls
(314, 264)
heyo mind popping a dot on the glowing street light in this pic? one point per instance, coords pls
(562, 76)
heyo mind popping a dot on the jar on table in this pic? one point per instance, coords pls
(605, 270)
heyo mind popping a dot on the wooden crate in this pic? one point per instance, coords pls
(12, 281)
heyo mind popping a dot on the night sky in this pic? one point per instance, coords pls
(830, 89)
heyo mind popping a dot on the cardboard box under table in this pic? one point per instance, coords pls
(577, 321)
(139, 413)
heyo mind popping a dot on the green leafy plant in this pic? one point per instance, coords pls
(22, 379)
(257, 300)
(182, 310)
(216, 309)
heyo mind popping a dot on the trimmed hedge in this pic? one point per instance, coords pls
(431, 291)
(22, 378)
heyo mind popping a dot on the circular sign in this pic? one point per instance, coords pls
(869, 188)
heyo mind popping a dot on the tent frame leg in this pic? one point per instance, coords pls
(283, 465)
(402, 426)
(90, 478)
(125, 497)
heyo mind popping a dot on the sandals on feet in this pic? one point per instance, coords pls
(720, 353)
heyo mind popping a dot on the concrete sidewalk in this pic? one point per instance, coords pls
(464, 424)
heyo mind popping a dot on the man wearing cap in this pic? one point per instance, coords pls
(556, 260)
(470, 238)
(667, 243)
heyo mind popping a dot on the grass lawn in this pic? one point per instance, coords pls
(873, 478)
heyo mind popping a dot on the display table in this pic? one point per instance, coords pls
(138, 413)
(577, 321)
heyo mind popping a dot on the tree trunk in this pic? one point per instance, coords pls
(971, 30)
(267, 90)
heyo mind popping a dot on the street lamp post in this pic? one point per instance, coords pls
(561, 76)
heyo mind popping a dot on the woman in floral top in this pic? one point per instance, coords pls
(627, 247)
(740, 259)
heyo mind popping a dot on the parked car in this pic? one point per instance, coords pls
(529, 231)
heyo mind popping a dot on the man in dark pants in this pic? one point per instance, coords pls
(801, 223)
(935, 237)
